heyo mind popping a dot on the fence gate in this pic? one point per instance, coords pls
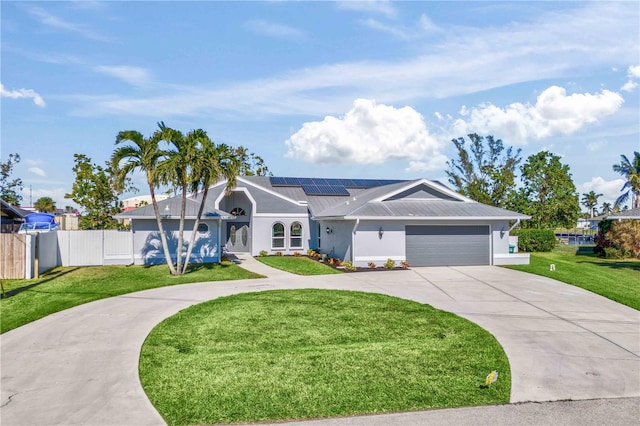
(13, 255)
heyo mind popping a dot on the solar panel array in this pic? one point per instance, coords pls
(322, 186)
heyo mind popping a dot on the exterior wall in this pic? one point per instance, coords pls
(369, 247)
(261, 227)
(147, 246)
(337, 243)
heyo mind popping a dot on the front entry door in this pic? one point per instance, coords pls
(238, 237)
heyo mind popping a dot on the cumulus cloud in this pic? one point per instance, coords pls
(135, 76)
(22, 93)
(37, 170)
(272, 29)
(633, 73)
(369, 133)
(610, 190)
(555, 113)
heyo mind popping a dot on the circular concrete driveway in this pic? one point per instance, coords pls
(80, 366)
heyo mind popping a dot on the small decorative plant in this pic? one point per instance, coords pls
(278, 253)
(263, 253)
(334, 262)
(348, 266)
(371, 265)
(296, 254)
(404, 264)
(390, 264)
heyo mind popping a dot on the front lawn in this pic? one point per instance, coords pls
(300, 265)
(299, 354)
(66, 287)
(618, 280)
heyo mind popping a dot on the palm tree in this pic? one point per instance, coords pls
(606, 208)
(630, 170)
(45, 205)
(142, 154)
(590, 201)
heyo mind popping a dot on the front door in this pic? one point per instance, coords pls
(238, 237)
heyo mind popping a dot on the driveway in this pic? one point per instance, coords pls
(80, 366)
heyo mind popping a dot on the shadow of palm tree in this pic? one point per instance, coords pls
(203, 250)
(49, 276)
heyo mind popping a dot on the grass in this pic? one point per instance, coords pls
(300, 265)
(296, 354)
(66, 287)
(618, 280)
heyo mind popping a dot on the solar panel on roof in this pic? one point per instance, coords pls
(306, 181)
(292, 181)
(276, 181)
(310, 189)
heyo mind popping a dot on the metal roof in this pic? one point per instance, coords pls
(171, 207)
(625, 214)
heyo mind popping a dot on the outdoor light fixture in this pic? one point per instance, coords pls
(380, 232)
(329, 230)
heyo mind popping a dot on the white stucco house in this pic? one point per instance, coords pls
(418, 221)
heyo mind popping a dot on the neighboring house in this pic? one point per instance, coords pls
(11, 217)
(420, 221)
(633, 214)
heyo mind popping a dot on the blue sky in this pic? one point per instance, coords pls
(326, 89)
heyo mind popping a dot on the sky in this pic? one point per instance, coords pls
(341, 89)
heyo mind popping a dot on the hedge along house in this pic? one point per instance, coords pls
(421, 222)
(147, 245)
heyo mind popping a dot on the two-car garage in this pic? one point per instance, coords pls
(447, 245)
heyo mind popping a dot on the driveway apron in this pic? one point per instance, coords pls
(80, 366)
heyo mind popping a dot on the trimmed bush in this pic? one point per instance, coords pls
(348, 266)
(390, 264)
(535, 240)
(614, 253)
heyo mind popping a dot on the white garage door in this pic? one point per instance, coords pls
(431, 245)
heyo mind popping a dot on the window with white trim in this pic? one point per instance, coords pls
(295, 236)
(277, 236)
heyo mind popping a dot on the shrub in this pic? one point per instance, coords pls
(372, 265)
(390, 264)
(348, 266)
(625, 235)
(535, 240)
(296, 254)
(313, 254)
(263, 253)
(404, 264)
(278, 253)
(613, 253)
(334, 261)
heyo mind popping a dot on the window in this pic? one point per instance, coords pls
(238, 211)
(295, 237)
(277, 235)
(203, 228)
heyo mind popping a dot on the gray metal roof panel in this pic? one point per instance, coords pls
(625, 214)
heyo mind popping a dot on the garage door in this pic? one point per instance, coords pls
(429, 245)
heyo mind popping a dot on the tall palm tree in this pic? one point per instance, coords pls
(630, 170)
(590, 201)
(606, 208)
(142, 154)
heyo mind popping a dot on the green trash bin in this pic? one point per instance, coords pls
(511, 248)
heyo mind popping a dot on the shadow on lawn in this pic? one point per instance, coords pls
(50, 276)
(590, 257)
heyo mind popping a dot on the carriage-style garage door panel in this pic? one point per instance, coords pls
(430, 245)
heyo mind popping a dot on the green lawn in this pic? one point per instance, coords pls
(279, 355)
(617, 280)
(300, 265)
(65, 287)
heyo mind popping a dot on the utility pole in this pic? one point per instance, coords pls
(30, 199)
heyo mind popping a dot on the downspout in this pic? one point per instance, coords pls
(353, 241)
(220, 240)
(514, 225)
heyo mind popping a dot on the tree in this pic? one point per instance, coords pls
(45, 205)
(9, 188)
(630, 170)
(606, 208)
(94, 192)
(142, 154)
(484, 173)
(590, 201)
(548, 193)
(250, 164)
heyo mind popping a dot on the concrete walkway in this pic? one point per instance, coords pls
(80, 366)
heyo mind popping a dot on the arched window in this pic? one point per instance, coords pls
(277, 235)
(203, 228)
(238, 211)
(295, 236)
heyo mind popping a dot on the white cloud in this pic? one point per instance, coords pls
(633, 73)
(369, 133)
(135, 76)
(424, 27)
(594, 146)
(37, 170)
(610, 190)
(272, 29)
(53, 21)
(555, 113)
(383, 7)
(22, 93)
